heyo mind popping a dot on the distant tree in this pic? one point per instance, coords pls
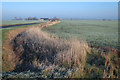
(31, 18)
(34, 18)
(103, 19)
(20, 18)
(109, 19)
(15, 18)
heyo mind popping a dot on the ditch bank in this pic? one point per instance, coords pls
(7, 49)
(37, 54)
(32, 50)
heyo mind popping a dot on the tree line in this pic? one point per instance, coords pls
(29, 18)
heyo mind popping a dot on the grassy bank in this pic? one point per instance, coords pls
(5, 44)
(8, 34)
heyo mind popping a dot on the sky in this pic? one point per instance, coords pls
(81, 10)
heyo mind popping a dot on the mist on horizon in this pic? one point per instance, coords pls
(62, 10)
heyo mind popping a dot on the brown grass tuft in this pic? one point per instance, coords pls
(34, 46)
(75, 55)
(112, 65)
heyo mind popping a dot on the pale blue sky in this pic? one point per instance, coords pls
(84, 10)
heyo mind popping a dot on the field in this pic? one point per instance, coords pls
(13, 22)
(63, 50)
(97, 32)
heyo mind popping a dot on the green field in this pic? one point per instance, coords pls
(97, 32)
(0, 41)
(12, 22)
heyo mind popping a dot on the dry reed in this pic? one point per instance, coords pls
(35, 45)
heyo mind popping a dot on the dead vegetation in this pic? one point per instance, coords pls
(112, 65)
(7, 50)
(32, 48)
(35, 45)
(8, 56)
(102, 65)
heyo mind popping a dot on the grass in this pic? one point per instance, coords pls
(6, 47)
(12, 22)
(0, 52)
(35, 45)
(33, 48)
(6, 30)
(96, 32)
(100, 65)
(0, 39)
(8, 35)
